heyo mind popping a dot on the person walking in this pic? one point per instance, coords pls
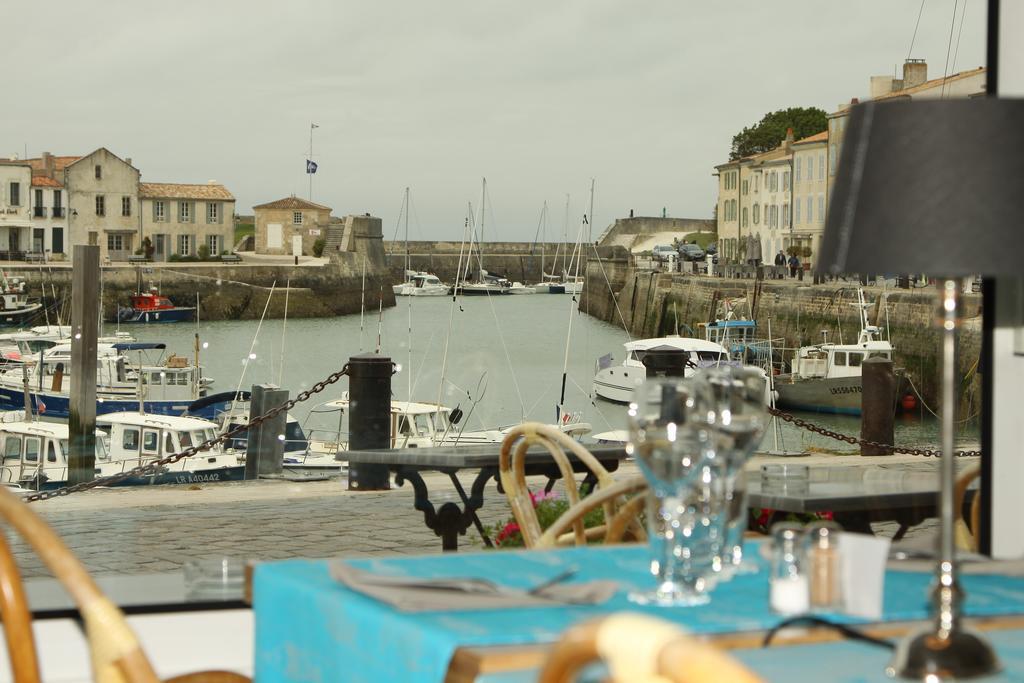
(780, 260)
(794, 265)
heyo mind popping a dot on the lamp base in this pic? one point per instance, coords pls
(925, 656)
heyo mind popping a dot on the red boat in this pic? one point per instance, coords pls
(151, 307)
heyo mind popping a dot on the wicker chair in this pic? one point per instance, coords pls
(966, 535)
(621, 514)
(116, 654)
(640, 649)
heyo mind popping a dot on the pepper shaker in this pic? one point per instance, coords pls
(822, 561)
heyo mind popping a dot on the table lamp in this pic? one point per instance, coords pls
(933, 186)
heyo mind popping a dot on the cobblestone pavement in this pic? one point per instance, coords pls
(147, 529)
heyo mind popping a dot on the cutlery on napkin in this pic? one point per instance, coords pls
(418, 594)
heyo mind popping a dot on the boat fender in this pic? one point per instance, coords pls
(455, 416)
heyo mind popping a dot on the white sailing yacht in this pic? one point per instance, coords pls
(417, 283)
(485, 284)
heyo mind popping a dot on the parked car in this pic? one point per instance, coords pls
(712, 248)
(691, 252)
(662, 252)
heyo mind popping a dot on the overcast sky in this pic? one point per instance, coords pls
(539, 97)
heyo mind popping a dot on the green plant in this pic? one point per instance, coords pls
(318, 247)
(174, 257)
(204, 252)
(549, 507)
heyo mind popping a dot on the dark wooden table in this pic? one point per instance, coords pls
(856, 495)
(451, 520)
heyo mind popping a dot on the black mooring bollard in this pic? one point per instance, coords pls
(264, 451)
(369, 417)
(878, 405)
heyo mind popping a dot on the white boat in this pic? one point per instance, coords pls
(617, 382)
(36, 453)
(23, 345)
(550, 284)
(422, 284)
(826, 377)
(302, 457)
(15, 307)
(520, 288)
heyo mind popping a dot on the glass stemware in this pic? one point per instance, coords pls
(738, 415)
(670, 439)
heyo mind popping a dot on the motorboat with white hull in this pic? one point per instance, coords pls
(421, 284)
(826, 377)
(15, 308)
(35, 454)
(616, 382)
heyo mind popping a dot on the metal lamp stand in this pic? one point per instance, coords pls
(945, 650)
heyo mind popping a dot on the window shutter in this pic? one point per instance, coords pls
(193, 216)
(154, 211)
(220, 212)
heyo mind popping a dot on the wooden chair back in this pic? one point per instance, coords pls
(570, 527)
(115, 652)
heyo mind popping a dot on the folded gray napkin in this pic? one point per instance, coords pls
(414, 594)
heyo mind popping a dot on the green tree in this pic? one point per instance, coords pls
(767, 133)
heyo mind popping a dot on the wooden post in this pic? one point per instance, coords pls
(369, 417)
(82, 401)
(878, 405)
(264, 451)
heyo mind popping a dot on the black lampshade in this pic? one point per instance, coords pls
(929, 186)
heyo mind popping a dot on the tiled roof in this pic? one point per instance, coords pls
(12, 162)
(933, 83)
(44, 181)
(184, 191)
(817, 137)
(292, 203)
(59, 164)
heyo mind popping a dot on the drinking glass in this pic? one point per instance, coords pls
(738, 416)
(669, 436)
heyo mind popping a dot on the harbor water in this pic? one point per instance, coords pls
(505, 359)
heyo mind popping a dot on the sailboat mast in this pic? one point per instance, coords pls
(573, 304)
(565, 234)
(590, 216)
(480, 240)
(406, 208)
(408, 367)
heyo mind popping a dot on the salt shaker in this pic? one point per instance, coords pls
(789, 589)
(823, 566)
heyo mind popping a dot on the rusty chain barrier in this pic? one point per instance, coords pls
(855, 441)
(155, 466)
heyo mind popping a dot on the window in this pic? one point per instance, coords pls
(184, 212)
(150, 441)
(296, 218)
(757, 214)
(15, 194)
(212, 211)
(31, 449)
(156, 378)
(51, 452)
(130, 440)
(796, 170)
(168, 444)
(213, 244)
(101, 205)
(159, 212)
(57, 240)
(99, 172)
(126, 206)
(839, 359)
(821, 207)
(746, 186)
(115, 242)
(810, 209)
(796, 208)
(855, 359)
(12, 448)
(185, 244)
(785, 181)
(757, 182)
(821, 165)
(744, 216)
(785, 215)
(39, 201)
(56, 202)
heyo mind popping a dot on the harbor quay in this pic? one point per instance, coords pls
(136, 530)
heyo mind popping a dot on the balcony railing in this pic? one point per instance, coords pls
(39, 211)
(58, 211)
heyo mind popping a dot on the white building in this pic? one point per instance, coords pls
(49, 218)
(15, 217)
(810, 186)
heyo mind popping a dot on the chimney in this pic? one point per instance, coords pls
(787, 144)
(211, 182)
(128, 160)
(48, 165)
(915, 72)
(881, 85)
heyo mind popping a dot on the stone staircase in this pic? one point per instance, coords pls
(336, 239)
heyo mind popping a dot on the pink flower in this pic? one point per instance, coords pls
(510, 529)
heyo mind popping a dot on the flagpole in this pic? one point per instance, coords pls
(311, 127)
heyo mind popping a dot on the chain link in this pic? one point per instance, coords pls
(853, 440)
(156, 466)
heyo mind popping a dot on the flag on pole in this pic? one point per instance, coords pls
(310, 166)
(40, 406)
(313, 125)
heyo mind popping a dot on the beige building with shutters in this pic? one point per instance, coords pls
(810, 185)
(181, 218)
(103, 201)
(290, 226)
(15, 217)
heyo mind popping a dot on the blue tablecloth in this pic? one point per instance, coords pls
(308, 627)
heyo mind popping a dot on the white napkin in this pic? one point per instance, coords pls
(415, 594)
(863, 573)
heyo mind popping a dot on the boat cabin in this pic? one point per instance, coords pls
(37, 451)
(151, 301)
(136, 438)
